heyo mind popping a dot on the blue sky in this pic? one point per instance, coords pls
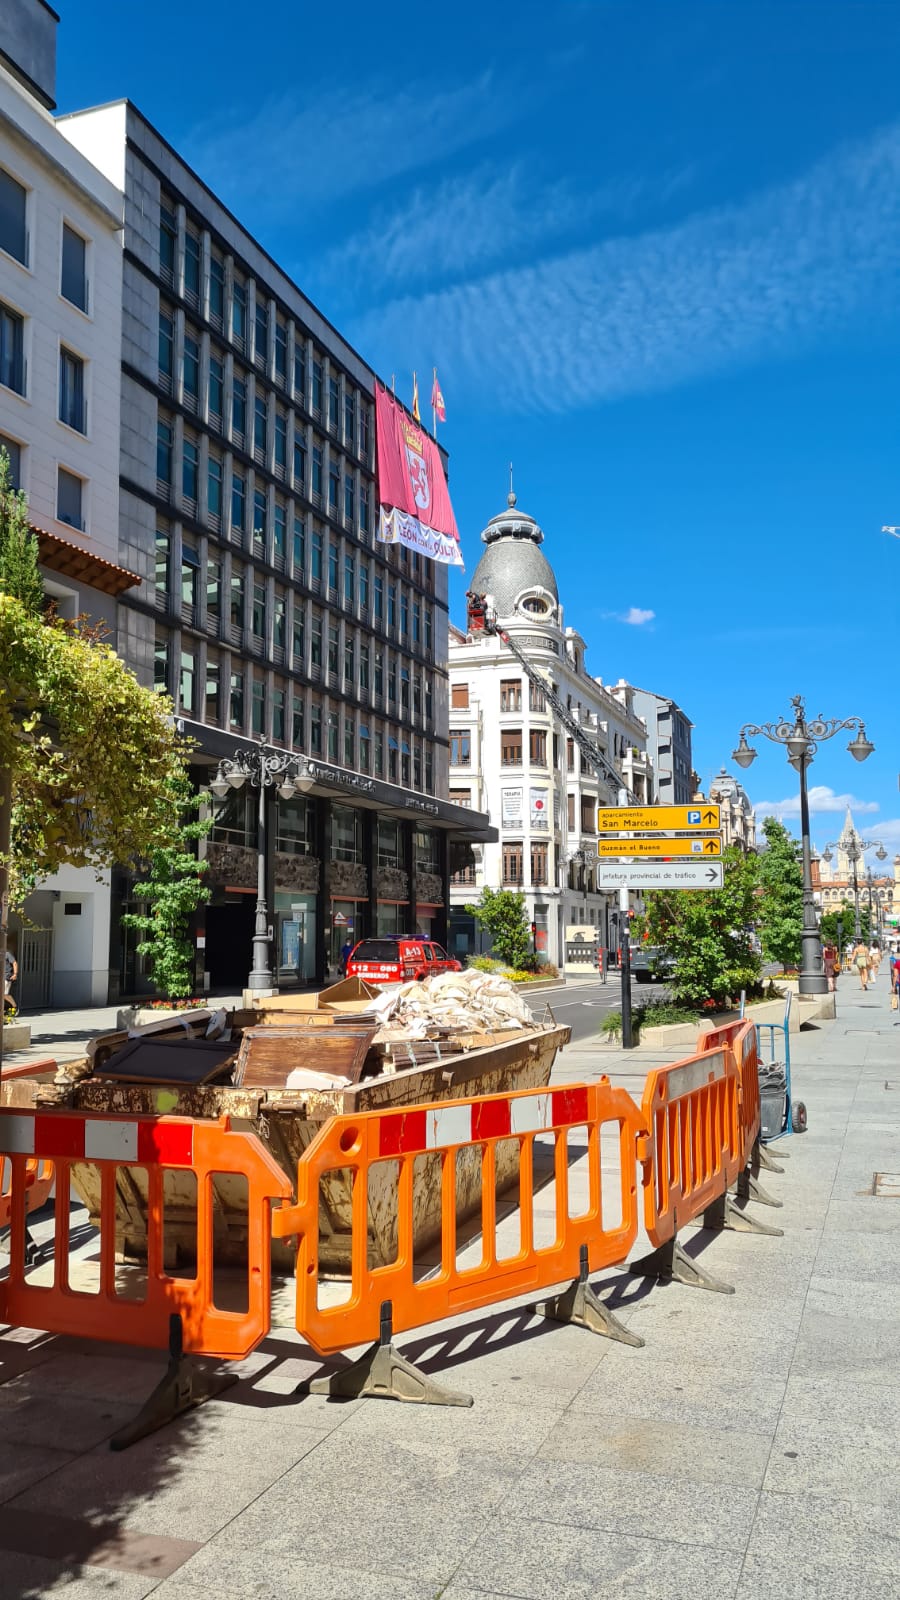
(652, 248)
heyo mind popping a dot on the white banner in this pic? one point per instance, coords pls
(511, 808)
(398, 527)
(540, 815)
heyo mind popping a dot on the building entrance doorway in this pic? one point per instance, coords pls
(229, 941)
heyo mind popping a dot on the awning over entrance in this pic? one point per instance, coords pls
(69, 559)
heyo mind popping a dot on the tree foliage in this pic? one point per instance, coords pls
(828, 926)
(171, 893)
(91, 753)
(502, 914)
(19, 572)
(781, 901)
(707, 934)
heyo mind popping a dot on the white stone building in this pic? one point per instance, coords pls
(510, 755)
(60, 349)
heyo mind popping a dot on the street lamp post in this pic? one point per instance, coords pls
(264, 769)
(802, 738)
(854, 853)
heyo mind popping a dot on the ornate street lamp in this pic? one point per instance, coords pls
(854, 853)
(264, 769)
(802, 739)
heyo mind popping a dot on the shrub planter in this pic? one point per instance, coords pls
(16, 1036)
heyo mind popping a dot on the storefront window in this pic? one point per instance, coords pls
(295, 827)
(390, 846)
(346, 834)
(428, 856)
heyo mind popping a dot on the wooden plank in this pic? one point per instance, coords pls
(269, 1055)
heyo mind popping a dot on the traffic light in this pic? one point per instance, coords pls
(533, 929)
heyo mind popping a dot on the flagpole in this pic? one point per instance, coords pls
(433, 406)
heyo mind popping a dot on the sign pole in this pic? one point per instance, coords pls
(625, 958)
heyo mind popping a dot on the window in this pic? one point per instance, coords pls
(349, 580)
(192, 266)
(588, 814)
(511, 747)
(392, 605)
(333, 647)
(349, 496)
(73, 281)
(69, 498)
(379, 672)
(72, 408)
(166, 357)
(349, 419)
(280, 529)
(298, 730)
(379, 755)
(317, 548)
(191, 367)
(429, 708)
(317, 387)
(168, 238)
(278, 722)
(239, 313)
(512, 862)
(280, 441)
(333, 557)
(260, 425)
(364, 668)
(536, 701)
(216, 290)
(332, 736)
(190, 471)
(537, 747)
(364, 585)
(237, 599)
(460, 747)
(417, 697)
(164, 452)
(404, 614)
(417, 622)
(364, 749)
(346, 834)
(259, 518)
(186, 679)
(236, 700)
(281, 351)
(300, 369)
(279, 622)
(300, 463)
(13, 208)
(317, 471)
(364, 429)
(239, 407)
(334, 484)
(404, 688)
(538, 864)
(459, 696)
(258, 708)
(571, 812)
(334, 400)
(214, 488)
(461, 797)
(364, 507)
(12, 350)
(428, 628)
(392, 682)
(261, 334)
(379, 598)
(213, 589)
(315, 730)
(211, 693)
(349, 742)
(216, 388)
(315, 640)
(161, 567)
(510, 694)
(14, 456)
(161, 660)
(570, 755)
(190, 563)
(298, 647)
(238, 502)
(299, 546)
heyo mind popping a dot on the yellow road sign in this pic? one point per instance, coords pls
(653, 819)
(661, 848)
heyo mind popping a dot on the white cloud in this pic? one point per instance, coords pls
(821, 799)
(645, 312)
(636, 617)
(295, 150)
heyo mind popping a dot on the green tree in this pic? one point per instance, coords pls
(829, 930)
(501, 912)
(172, 892)
(19, 572)
(781, 901)
(707, 933)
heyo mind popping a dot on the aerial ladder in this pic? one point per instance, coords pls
(482, 618)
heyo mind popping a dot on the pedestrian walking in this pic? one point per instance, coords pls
(10, 974)
(861, 962)
(346, 953)
(874, 960)
(832, 965)
(895, 980)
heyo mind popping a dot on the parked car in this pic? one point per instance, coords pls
(393, 958)
(649, 964)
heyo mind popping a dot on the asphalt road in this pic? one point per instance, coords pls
(583, 1003)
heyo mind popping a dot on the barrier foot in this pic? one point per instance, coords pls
(183, 1387)
(723, 1213)
(384, 1374)
(763, 1158)
(579, 1304)
(748, 1187)
(669, 1263)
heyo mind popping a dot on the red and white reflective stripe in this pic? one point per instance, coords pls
(58, 1136)
(471, 1121)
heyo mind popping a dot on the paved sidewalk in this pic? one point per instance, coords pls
(748, 1451)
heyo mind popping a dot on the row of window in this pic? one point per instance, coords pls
(71, 490)
(72, 408)
(513, 864)
(16, 200)
(510, 696)
(512, 749)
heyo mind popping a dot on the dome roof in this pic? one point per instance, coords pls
(513, 564)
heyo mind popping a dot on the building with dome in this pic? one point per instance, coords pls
(510, 755)
(738, 818)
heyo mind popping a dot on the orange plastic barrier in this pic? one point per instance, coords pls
(38, 1184)
(694, 1148)
(746, 1057)
(119, 1308)
(366, 1143)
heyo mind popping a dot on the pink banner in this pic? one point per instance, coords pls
(411, 482)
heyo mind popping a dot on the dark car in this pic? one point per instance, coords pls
(649, 964)
(393, 958)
